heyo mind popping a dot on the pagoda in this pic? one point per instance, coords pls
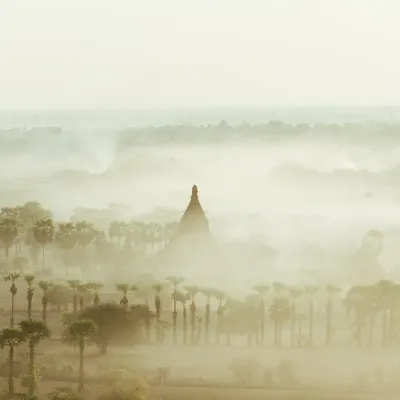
(193, 246)
(194, 220)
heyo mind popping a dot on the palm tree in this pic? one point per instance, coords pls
(96, 286)
(8, 232)
(83, 288)
(66, 237)
(12, 277)
(124, 288)
(208, 293)
(44, 232)
(294, 294)
(33, 331)
(29, 279)
(45, 286)
(262, 290)
(311, 290)
(152, 234)
(175, 281)
(85, 234)
(280, 312)
(220, 296)
(11, 337)
(192, 291)
(80, 332)
(158, 287)
(74, 284)
(183, 298)
(117, 231)
(332, 290)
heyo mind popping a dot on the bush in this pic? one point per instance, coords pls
(268, 377)
(245, 369)
(285, 373)
(126, 386)
(27, 378)
(64, 393)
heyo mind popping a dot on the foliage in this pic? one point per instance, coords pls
(34, 330)
(64, 393)
(114, 321)
(125, 386)
(245, 369)
(285, 373)
(26, 379)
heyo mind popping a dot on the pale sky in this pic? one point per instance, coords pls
(198, 53)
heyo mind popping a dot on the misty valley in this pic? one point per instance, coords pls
(203, 261)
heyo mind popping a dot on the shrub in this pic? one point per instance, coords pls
(244, 369)
(285, 373)
(64, 393)
(126, 386)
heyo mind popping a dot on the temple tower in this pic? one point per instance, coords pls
(194, 220)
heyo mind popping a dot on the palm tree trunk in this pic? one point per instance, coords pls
(192, 323)
(44, 309)
(207, 324)
(328, 322)
(371, 329)
(174, 318)
(384, 328)
(31, 369)
(6, 251)
(311, 324)
(29, 306)
(75, 303)
(11, 370)
(81, 364)
(276, 329)
(43, 257)
(12, 310)
(184, 325)
(293, 326)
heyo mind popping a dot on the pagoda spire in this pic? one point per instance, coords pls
(194, 219)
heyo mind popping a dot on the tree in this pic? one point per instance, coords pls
(45, 286)
(332, 290)
(8, 232)
(183, 298)
(33, 332)
(175, 281)
(311, 290)
(158, 287)
(83, 289)
(124, 288)
(44, 232)
(74, 284)
(261, 290)
(12, 277)
(220, 296)
(11, 337)
(85, 233)
(280, 312)
(80, 332)
(112, 320)
(294, 294)
(117, 231)
(29, 279)
(192, 290)
(208, 293)
(66, 238)
(96, 286)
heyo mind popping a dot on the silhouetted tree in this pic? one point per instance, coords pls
(12, 277)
